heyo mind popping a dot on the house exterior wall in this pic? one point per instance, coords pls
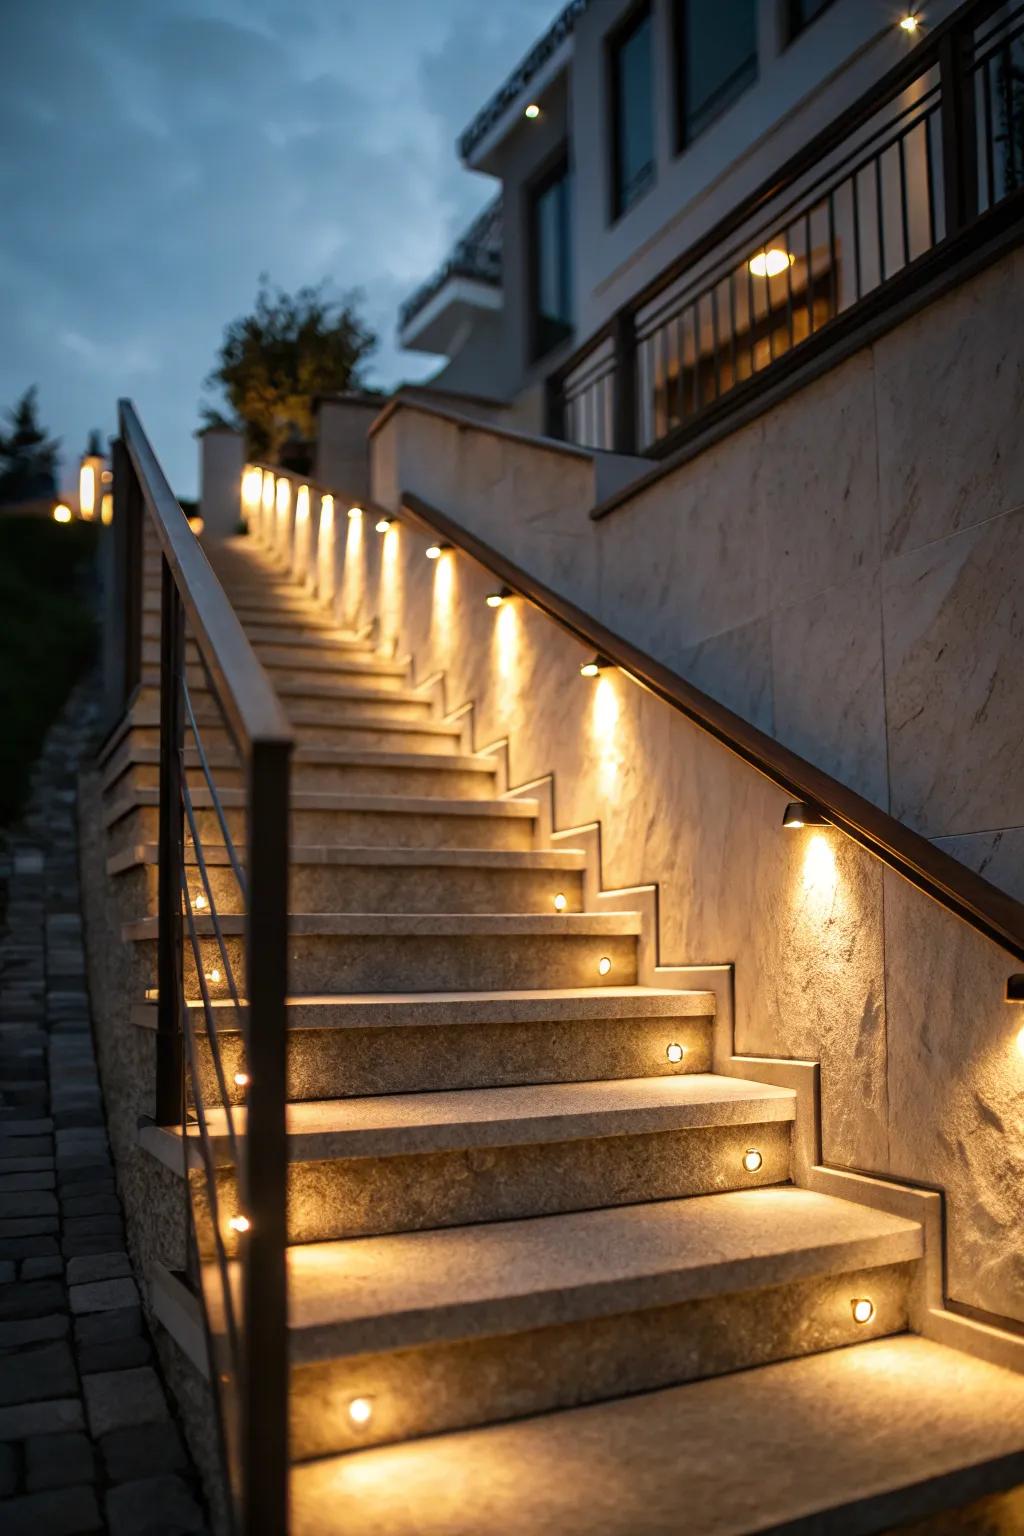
(841, 571)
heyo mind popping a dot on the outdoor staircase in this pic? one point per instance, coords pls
(548, 1271)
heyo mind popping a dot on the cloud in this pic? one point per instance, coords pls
(159, 157)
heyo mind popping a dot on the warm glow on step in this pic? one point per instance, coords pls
(752, 1160)
(863, 1310)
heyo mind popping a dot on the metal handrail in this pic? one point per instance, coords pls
(983, 906)
(255, 1435)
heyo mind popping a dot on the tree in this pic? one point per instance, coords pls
(28, 458)
(273, 363)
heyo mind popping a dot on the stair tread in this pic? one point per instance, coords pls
(422, 924)
(310, 753)
(854, 1440)
(216, 854)
(435, 1121)
(415, 1288)
(340, 800)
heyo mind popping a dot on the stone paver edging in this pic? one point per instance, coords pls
(87, 1442)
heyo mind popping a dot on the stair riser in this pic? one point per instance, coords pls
(471, 1382)
(317, 634)
(335, 778)
(342, 1063)
(351, 676)
(273, 654)
(362, 888)
(464, 963)
(297, 664)
(371, 1196)
(351, 829)
(343, 710)
(355, 735)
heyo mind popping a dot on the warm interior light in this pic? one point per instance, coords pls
(800, 813)
(355, 512)
(107, 509)
(87, 491)
(863, 1309)
(532, 110)
(239, 1223)
(910, 23)
(382, 524)
(61, 513)
(241, 1079)
(752, 1160)
(675, 1053)
(560, 902)
(771, 262)
(360, 1411)
(604, 965)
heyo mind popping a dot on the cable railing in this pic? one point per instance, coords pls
(221, 938)
(927, 162)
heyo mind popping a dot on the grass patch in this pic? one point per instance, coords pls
(48, 636)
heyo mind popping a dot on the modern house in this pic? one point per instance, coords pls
(554, 895)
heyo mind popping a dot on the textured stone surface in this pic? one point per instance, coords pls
(158, 1506)
(114, 1399)
(888, 1427)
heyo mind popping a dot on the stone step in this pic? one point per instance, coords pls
(326, 769)
(344, 701)
(338, 820)
(844, 1443)
(281, 666)
(308, 620)
(421, 951)
(447, 1329)
(325, 879)
(373, 1043)
(407, 1162)
(314, 728)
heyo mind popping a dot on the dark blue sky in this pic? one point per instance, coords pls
(157, 155)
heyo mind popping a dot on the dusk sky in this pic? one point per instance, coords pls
(158, 155)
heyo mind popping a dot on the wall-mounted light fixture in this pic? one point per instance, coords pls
(801, 813)
(495, 599)
(531, 111)
(771, 262)
(910, 23)
(239, 1223)
(382, 524)
(61, 513)
(355, 513)
(435, 551)
(360, 1411)
(752, 1160)
(675, 1053)
(595, 666)
(863, 1309)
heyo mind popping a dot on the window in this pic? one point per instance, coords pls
(551, 232)
(716, 59)
(802, 13)
(632, 115)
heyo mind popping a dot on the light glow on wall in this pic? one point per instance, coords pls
(283, 501)
(506, 644)
(267, 520)
(252, 490)
(353, 574)
(107, 509)
(605, 733)
(300, 547)
(325, 551)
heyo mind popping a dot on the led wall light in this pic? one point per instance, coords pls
(360, 1411)
(801, 813)
(61, 513)
(239, 1223)
(355, 513)
(863, 1309)
(241, 1079)
(495, 599)
(604, 965)
(382, 524)
(560, 902)
(675, 1053)
(910, 23)
(595, 666)
(752, 1160)
(435, 551)
(531, 111)
(770, 263)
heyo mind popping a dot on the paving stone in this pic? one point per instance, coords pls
(12, 1183)
(90, 1205)
(118, 1355)
(103, 1296)
(28, 1202)
(90, 1226)
(49, 1418)
(37, 1372)
(54, 1461)
(28, 1226)
(27, 1247)
(157, 1506)
(116, 1398)
(57, 1512)
(7, 1271)
(142, 1451)
(86, 1173)
(33, 1330)
(114, 1265)
(41, 1269)
(25, 1164)
(103, 1327)
(34, 1298)
(8, 1470)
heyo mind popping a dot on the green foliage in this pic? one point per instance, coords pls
(47, 637)
(273, 363)
(28, 458)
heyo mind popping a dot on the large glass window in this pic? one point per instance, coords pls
(632, 113)
(716, 46)
(552, 260)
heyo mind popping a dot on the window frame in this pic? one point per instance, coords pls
(557, 167)
(794, 26)
(683, 137)
(616, 39)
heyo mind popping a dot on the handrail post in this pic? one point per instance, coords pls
(265, 1390)
(959, 128)
(125, 612)
(169, 1060)
(624, 435)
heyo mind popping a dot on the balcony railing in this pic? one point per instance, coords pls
(476, 255)
(929, 160)
(221, 938)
